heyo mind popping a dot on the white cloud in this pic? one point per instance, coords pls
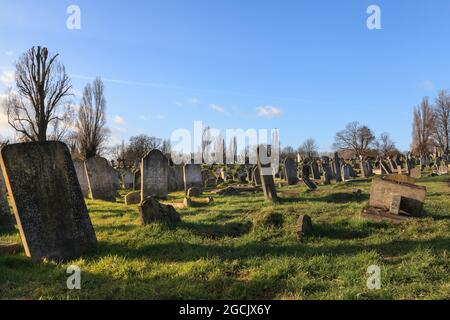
(427, 85)
(7, 78)
(193, 101)
(269, 112)
(217, 108)
(119, 120)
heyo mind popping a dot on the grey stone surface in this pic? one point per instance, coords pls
(315, 170)
(256, 176)
(304, 226)
(6, 218)
(337, 168)
(48, 203)
(192, 174)
(82, 176)
(133, 198)
(176, 181)
(152, 211)
(102, 179)
(154, 175)
(268, 184)
(290, 169)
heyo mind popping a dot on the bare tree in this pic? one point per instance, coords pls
(422, 128)
(38, 102)
(308, 149)
(140, 145)
(355, 138)
(287, 152)
(91, 125)
(385, 147)
(441, 126)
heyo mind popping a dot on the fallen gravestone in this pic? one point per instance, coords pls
(82, 177)
(412, 196)
(154, 175)
(133, 198)
(101, 179)
(229, 191)
(48, 203)
(400, 178)
(152, 211)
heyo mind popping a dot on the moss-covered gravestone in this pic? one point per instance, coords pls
(47, 200)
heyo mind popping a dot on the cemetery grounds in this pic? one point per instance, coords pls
(240, 247)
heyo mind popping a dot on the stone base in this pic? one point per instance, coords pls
(375, 214)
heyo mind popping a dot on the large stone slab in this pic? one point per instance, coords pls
(6, 218)
(154, 175)
(82, 176)
(102, 179)
(412, 196)
(192, 174)
(47, 200)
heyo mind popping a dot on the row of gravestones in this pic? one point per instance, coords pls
(47, 190)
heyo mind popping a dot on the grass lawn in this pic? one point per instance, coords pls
(225, 250)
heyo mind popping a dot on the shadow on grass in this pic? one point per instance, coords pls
(216, 231)
(337, 198)
(177, 252)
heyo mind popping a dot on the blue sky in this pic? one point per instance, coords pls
(304, 67)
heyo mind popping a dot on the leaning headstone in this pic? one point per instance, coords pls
(154, 175)
(82, 177)
(310, 184)
(268, 184)
(192, 174)
(48, 203)
(290, 171)
(101, 179)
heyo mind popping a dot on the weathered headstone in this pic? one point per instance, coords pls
(6, 218)
(192, 174)
(152, 211)
(133, 198)
(337, 168)
(326, 168)
(82, 177)
(346, 172)
(413, 196)
(304, 226)
(154, 175)
(315, 170)
(176, 182)
(268, 184)
(48, 203)
(290, 171)
(416, 173)
(101, 179)
(127, 179)
(137, 180)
